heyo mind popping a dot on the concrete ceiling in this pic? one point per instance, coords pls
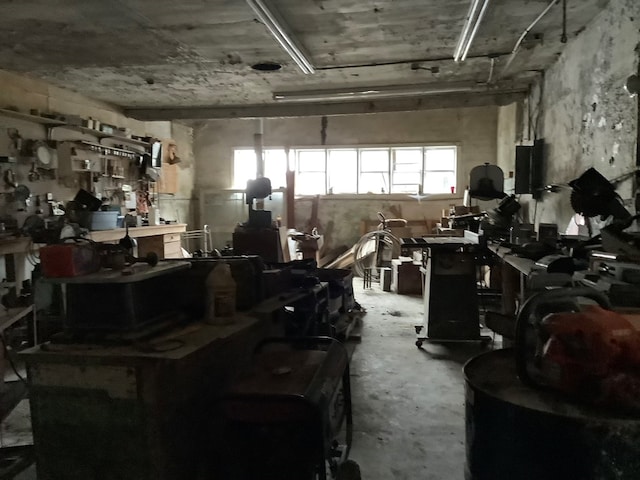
(168, 56)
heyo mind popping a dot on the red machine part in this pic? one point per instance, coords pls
(69, 260)
(594, 353)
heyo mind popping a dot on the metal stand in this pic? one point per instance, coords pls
(367, 277)
(451, 311)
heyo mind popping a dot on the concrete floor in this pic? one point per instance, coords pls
(408, 402)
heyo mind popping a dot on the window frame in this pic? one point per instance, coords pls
(295, 150)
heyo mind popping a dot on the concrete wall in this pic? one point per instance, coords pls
(473, 130)
(585, 116)
(506, 138)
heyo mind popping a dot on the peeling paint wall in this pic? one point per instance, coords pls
(505, 143)
(472, 129)
(585, 116)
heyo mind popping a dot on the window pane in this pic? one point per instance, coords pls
(439, 182)
(311, 161)
(407, 160)
(244, 167)
(275, 167)
(440, 159)
(343, 171)
(310, 183)
(406, 178)
(374, 183)
(407, 170)
(374, 160)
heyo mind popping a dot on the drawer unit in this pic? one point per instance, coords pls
(165, 246)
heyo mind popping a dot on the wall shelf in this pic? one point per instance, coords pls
(31, 118)
(130, 141)
(104, 135)
(53, 123)
(105, 147)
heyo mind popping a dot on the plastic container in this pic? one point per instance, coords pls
(69, 260)
(104, 220)
(221, 295)
(154, 216)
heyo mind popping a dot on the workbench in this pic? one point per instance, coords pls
(144, 411)
(514, 277)
(164, 240)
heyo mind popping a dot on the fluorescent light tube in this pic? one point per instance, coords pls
(281, 33)
(465, 30)
(470, 28)
(357, 93)
(474, 31)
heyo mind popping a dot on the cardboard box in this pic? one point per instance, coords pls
(406, 278)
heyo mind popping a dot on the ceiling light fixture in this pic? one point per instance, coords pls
(359, 93)
(477, 9)
(279, 30)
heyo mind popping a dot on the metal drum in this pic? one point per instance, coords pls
(514, 432)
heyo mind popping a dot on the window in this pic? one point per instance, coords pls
(342, 170)
(374, 171)
(353, 170)
(406, 170)
(311, 172)
(245, 167)
(275, 167)
(439, 170)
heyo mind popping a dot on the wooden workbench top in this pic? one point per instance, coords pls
(136, 232)
(9, 245)
(174, 345)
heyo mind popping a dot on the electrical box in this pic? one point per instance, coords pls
(529, 168)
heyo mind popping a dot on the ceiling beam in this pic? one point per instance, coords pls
(430, 102)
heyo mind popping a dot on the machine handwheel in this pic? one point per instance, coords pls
(348, 470)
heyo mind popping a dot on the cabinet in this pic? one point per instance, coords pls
(165, 246)
(131, 413)
(168, 182)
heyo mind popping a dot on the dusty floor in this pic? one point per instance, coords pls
(408, 402)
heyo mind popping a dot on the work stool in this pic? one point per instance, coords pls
(282, 420)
